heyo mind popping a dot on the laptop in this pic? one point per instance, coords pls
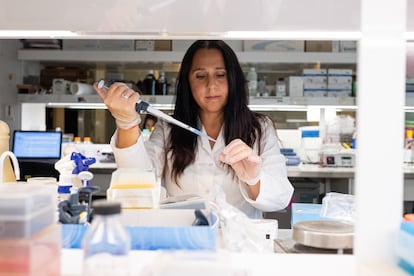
(37, 152)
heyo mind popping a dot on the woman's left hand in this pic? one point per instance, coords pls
(245, 162)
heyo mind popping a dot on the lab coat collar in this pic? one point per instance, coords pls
(218, 146)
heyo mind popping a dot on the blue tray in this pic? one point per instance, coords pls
(154, 237)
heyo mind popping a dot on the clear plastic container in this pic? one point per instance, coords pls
(37, 255)
(25, 209)
(106, 243)
(134, 188)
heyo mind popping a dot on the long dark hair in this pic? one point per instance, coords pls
(239, 121)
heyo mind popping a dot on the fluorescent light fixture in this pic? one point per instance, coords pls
(85, 105)
(275, 107)
(36, 34)
(294, 35)
(76, 105)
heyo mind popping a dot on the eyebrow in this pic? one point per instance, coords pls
(203, 69)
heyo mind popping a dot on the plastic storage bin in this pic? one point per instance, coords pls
(136, 189)
(25, 209)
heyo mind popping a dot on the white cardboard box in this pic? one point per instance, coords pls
(294, 85)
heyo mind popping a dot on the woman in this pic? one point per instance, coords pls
(211, 96)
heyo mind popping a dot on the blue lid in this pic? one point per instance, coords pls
(310, 133)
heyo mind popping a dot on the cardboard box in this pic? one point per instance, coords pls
(318, 46)
(162, 45)
(273, 45)
(153, 45)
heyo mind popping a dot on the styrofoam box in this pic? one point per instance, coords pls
(183, 45)
(25, 209)
(274, 45)
(156, 229)
(37, 255)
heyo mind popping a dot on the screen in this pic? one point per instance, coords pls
(37, 144)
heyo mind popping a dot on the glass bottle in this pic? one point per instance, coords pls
(162, 85)
(150, 83)
(252, 81)
(106, 243)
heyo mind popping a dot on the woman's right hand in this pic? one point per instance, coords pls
(121, 100)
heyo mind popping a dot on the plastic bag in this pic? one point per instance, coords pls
(239, 232)
(339, 207)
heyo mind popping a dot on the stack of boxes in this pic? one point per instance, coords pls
(30, 238)
(327, 82)
(339, 83)
(315, 82)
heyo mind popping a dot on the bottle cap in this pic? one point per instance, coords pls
(104, 207)
(86, 139)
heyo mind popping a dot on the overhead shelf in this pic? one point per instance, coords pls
(167, 102)
(174, 56)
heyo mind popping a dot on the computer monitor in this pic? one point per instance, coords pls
(37, 144)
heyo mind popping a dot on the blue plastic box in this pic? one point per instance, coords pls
(156, 229)
(405, 247)
(306, 212)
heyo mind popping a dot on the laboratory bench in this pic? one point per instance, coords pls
(224, 262)
(340, 179)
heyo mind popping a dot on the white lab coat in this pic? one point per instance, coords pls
(207, 170)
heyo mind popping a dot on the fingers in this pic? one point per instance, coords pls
(100, 92)
(118, 94)
(236, 151)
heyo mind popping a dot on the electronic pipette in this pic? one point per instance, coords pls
(142, 106)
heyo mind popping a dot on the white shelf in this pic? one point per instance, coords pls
(167, 102)
(161, 56)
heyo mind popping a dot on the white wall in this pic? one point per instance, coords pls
(10, 76)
